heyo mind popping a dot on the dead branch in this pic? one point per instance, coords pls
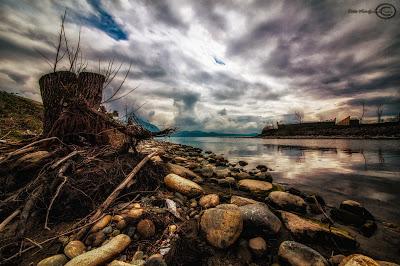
(120, 86)
(61, 172)
(62, 160)
(110, 199)
(8, 219)
(58, 57)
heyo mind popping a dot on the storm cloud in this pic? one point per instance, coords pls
(229, 66)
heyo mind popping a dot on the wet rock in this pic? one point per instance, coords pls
(56, 260)
(74, 248)
(259, 216)
(180, 159)
(287, 201)
(222, 172)
(255, 186)
(258, 245)
(356, 208)
(181, 171)
(222, 225)
(262, 168)
(336, 260)
(242, 163)
(155, 260)
(103, 222)
(368, 228)
(209, 201)
(358, 260)
(146, 228)
(296, 254)
(311, 231)
(103, 254)
(241, 201)
(182, 185)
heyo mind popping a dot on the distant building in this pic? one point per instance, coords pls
(348, 121)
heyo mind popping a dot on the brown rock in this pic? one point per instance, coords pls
(74, 248)
(308, 230)
(222, 225)
(146, 228)
(358, 260)
(255, 186)
(134, 214)
(103, 254)
(98, 238)
(121, 224)
(336, 259)
(259, 216)
(103, 222)
(182, 171)
(209, 201)
(155, 260)
(241, 201)
(56, 260)
(258, 245)
(183, 185)
(287, 201)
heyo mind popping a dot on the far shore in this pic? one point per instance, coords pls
(328, 137)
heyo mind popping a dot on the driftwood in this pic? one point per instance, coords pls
(8, 219)
(110, 199)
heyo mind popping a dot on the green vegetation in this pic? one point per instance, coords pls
(19, 117)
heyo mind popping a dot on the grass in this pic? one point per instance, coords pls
(19, 117)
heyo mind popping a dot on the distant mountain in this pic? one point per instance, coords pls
(198, 133)
(147, 125)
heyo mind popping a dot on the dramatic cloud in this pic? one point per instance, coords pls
(228, 66)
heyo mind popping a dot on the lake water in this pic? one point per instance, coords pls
(367, 171)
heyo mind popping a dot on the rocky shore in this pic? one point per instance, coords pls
(210, 211)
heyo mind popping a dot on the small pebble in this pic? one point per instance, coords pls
(107, 230)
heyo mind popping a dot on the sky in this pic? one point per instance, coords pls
(225, 66)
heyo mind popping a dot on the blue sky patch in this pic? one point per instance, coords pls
(218, 61)
(105, 22)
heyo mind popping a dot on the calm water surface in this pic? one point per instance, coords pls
(364, 170)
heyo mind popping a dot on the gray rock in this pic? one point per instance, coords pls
(296, 254)
(258, 215)
(107, 230)
(287, 201)
(155, 260)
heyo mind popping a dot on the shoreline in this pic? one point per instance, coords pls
(328, 137)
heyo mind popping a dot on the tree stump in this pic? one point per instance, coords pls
(55, 88)
(91, 88)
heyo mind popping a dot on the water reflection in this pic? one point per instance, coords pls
(364, 170)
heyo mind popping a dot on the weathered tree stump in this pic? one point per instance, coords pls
(55, 88)
(91, 88)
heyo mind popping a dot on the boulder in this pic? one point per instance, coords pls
(242, 201)
(146, 228)
(358, 260)
(258, 245)
(56, 260)
(356, 208)
(182, 171)
(296, 254)
(103, 254)
(287, 201)
(182, 185)
(119, 263)
(259, 216)
(242, 175)
(206, 171)
(74, 248)
(312, 231)
(209, 201)
(226, 182)
(255, 186)
(155, 260)
(263, 176)
(262, 168)
(222, 225)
